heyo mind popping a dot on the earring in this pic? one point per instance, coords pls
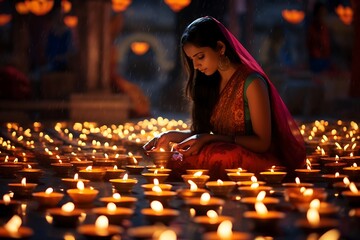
(224, 63)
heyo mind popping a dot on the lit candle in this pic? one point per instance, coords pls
(120, 201)
(194, 191)
(352, 196)
(198, 178)
(101, 229)
(204, 203)
(157, 213)
(163, 186)
(61, 168)
(158, 194)
(307, 174)
(49, 198)
(124, 184)
(66, 216)
(240, 176)
(269, 202)
(224, 232)
(13, 229)
(8, 207)
(253, 190)
(82, 195)
(273, 176)
(115, 214)
(333, 178)
(92, 174)
(297, 184)
(23, 189)
(324, 209)
(134, 168)
(150, 176)
(211, 220)
(72, 182)
(114, 173)
(353, 172)
(312, 222)
(31, 174)
(221, 188)
(304, 195)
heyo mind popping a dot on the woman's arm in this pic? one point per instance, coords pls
(163, 139)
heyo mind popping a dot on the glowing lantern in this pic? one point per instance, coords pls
(345, 14)
(66, 6)
(4, 19)
(120, 5)
(177, 5)
(139, 48)
(71, 21)
(21, 8)
(39, 7)
(293, 16)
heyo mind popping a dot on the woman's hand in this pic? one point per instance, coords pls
(192, 145)
(164, 140)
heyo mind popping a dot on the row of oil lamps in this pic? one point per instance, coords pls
(87, 158)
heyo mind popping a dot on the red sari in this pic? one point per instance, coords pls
(228, 118)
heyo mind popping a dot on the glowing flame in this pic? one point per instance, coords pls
(354, 165)
(313, 216)
(156, 181)
(162, 150)
(6, 199)
(88, 168)
(332, 234)
(125, 177)
(80, 185)
(353, 188)
(156, 172)
(156, 206)
(219, 182)
(193, 186)
(156, 189)
(315, 204)
(260, 208)
(13, 224)
(308, 192)
(205, 198)
(198, 174)
(23, 182)
(337, 174)
(115, 167)
(253, 179)
(211, 214)
(260, 197)
(167, 235)
(29, 166)
(68, 207)
(76, 176)
(254, 185)
(111, 207)
(346, 181)
(337, 158)
(224, 230)
(102, 222)
(49, 190)
(297, 180)
(116, 196)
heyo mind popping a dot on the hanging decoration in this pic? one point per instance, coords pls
(120, 5)
(139, 48)
(5, 19)
(345, 14)
(39, 7)
(177, 5)
(66, 6)
(293, 16)
(21, 8)
(71, 21)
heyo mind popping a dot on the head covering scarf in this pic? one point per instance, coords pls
(286, 138)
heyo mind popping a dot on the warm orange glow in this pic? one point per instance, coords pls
(125, 177)
(224, 230)
(193, 186)
(177, 5)
(80, 185)
(139, 48)
(39, 7)
(66, 6)
(260, 208)
(198, 174)
(5, 19)
(120, 5)
(71, 21)
(293, 16)
(68, 207)
(219, 182)
(111, 207)
(260, 197)
(21, 8)
(156, 206)
(205, 198)
(102, 222)
(156, 188)
(6, 199)
(116, 196)
(13, 224)
(49, 190)
(23, 182)
(313, 216)
(345, 14)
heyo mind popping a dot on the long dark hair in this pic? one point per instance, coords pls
(201, 89)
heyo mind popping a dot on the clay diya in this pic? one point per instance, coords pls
(100, 230)
(114, 173)
(253, 190)
(313, 223)
(134, 168)
(191, 192)
(23, 189)
(13, 229)
(193, 171)
(211, 221)
(115, 214)
(163, 186)
(72, 182)
(324, 209)
(150, 176)
(204, 203)
(158, 214)
(333, 178)
(159, 170)
(92, 174)
(198, 178)
(31, 174)
(120, 201)
(221, 188)
(224, 231)
(240, 176)
(352, 196)
(269, 202)
(159, 195)
(49, 198)
(8, 207)
(124, 184)
(272, 176)
(82, 195)
(161, 157)
(353, 172)
(61, 168)
(66, 216)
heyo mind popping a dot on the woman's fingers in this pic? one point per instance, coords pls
(151, 144)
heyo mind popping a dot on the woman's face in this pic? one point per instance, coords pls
(204, 59)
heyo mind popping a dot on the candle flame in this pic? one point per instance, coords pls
(346, 181)
(156, 188)
(60, 161)
(224, 230)
(337, 174)
(111, 207)
(49, 190)
(156, 181)
(338, 145)
(315, 203)
(353, 188)
(198, 174)
(260, 208)
(162, 150)
(253, 179)
(323, 152)
(115, 167)
(254, 185)
(156, 172)
(337, 157)
(297, 180)
(125, 177)
(80, 185)
(219, 182)
(6, 199)
(211, 214)
(116, 196)
(205, 198)
(308, 192)
(102, 222)
(156, 206)
(76, 176)
(88, 168)
(193, 186)
(354, 165)
(68, 207)
(167, 235)
(332, 234)
(13, 224)
(260, 197)
(313, 216)
(29, 166)
(23, 182)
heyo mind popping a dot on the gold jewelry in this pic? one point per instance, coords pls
(224, 63)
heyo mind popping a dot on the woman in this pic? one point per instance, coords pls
(238, 118)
